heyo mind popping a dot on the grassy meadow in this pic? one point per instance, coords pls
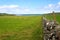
(50, 17)
(21, 28)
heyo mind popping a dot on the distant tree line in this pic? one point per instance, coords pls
(5, 14)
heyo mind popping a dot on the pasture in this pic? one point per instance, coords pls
(50, 17)
(21, 28)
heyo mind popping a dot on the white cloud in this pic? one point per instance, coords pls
(58, 3)
(9, 6)
(50, 5)
(16, 9)
(26, 10)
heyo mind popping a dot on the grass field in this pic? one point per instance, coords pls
(21, 28)
(50, 17)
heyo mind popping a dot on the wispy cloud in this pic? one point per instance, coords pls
(52, 7)
(9, 6)
(17, 9)
(13, 9)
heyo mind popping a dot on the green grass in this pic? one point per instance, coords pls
(49, 16)
(21, 28)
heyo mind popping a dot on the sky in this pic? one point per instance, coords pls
(29, 6)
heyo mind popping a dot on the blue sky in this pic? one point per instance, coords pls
(29, 6)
